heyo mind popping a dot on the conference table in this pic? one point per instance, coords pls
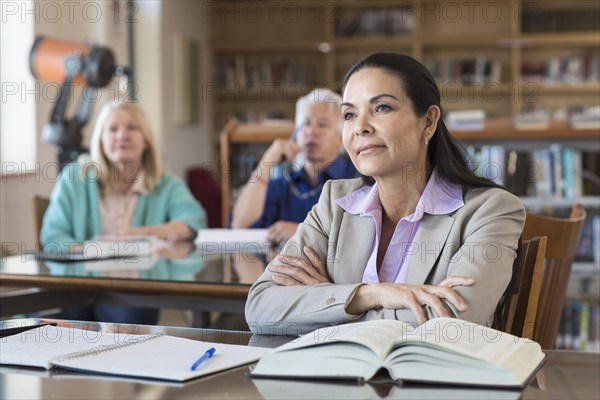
(177, 277)
(566, 375)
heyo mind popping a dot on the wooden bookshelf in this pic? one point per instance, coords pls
(321, 34)
(234, 133)
(314, 41)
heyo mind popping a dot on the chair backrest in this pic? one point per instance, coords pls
(40, 204)
(207, 191)
(563, 236)
(517, 311)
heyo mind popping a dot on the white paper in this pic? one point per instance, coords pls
(232, 240)
(122, 246)
(37, 347)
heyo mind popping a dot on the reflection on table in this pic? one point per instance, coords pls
(180, 275)
(181, 262)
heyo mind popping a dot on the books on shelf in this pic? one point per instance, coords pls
(488, 161)
(243, 166)
(156, 356)
(519, 170)
(566, 70)
(465, 120)
(468, 71)
(588, 247)
(554, 172)
(532, 121)
(392, 22)
(262, 78)
(442, 351)
(560, 19)
(558, 172)
(596, 238)
(579, 327)
(589, 118)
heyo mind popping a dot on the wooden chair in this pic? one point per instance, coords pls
(517, 310)
(563, 236)
(40, 204)
(206, 189)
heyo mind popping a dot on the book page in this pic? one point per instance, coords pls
(379, 336)
(466, 338)
(471, 340)
(340, 360)
(37, 347)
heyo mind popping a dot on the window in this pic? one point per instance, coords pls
(18, 91)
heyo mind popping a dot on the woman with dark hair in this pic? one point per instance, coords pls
(419, 236)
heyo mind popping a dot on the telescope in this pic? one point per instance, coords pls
(71, 63)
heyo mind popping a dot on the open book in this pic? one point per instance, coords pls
(143, 356)
(442, 350)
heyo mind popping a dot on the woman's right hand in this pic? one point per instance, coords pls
(400, 296)
(280, 149)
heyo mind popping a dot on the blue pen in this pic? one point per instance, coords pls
(208, 354)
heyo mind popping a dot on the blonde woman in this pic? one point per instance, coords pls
(120, 189)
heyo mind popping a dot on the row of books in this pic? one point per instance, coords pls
(588, 248)
(579, 327)
(535, 19)
(556, 172)
(238, 72)
(381, 22)
(243, 165)
(467, 71)
(566, 70)
(588, 118)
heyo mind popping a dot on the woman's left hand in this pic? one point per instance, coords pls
(281, 231)
(295, 271)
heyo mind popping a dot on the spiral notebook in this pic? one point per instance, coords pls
(156, 356)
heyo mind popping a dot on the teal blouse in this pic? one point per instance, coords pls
(73, 215)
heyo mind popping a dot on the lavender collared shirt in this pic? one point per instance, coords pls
(437, 199)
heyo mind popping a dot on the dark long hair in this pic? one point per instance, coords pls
(443, 152)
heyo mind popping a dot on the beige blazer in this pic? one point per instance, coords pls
(479, 240)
